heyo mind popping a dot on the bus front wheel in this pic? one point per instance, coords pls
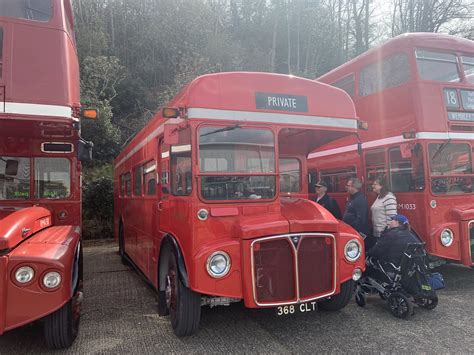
(340, 300)
(184, 305)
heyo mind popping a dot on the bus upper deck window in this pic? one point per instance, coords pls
(36, 10)
(468, 64)
(437, 66)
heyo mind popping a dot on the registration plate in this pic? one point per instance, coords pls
(296, 308)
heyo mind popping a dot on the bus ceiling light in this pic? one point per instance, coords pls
(218, 264)
(409, 135)
(89, 113)
(356, 274)
(52, 279)
(352, 250)
(24, 274)
(363, 125)
(447, 237)
(203, 214)
(170, 112)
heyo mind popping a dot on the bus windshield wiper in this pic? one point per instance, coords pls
(228, 128)
(440, 149)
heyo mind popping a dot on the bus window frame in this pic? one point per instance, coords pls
(149, 168)
(300, 172)
(389, 166)
(458, 63)
(136, 168)
(368, 181)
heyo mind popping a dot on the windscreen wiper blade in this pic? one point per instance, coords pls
(228, 128)
(440, 149)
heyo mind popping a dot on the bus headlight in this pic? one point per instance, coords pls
(52, 279)
(447, 237)
(352, 250)
(24, 274)
(218, 264)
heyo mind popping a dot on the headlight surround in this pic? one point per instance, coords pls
(24, 274)
(52, 280)
(446, 237)
(352, 250)
(218, 264)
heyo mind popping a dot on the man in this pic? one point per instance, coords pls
(393, 241)
(357, 208)
(325, 200)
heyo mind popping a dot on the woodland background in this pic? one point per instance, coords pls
(135, 55)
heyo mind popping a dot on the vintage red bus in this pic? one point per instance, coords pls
(40, 188)
(211, 204)
(416, 92)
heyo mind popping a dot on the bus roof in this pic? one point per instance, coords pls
(398, 44)
(258, 97)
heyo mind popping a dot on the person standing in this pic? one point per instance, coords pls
(383, 208)
(357, 208)
(325, 200)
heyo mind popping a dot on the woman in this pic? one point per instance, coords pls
(383, 208)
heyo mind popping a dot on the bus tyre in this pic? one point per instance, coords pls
(340, 300)
(61, 327)
(184, 305)
(123, 255)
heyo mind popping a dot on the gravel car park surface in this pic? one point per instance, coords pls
(120, 316)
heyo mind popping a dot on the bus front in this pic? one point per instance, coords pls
(445, 72)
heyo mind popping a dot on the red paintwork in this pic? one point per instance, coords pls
(233, 225)
(40, 67)
(415, 106)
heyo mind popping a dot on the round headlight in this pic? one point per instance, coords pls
(218, 264)
(356, 274)
(447, 237)
(52, 279)
(352, 250)
(24, 274)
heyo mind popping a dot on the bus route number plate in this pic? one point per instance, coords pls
(296, 308)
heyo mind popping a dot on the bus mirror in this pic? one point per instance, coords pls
(90, 113)
(171, 134)
(11, 167)
(84, 150)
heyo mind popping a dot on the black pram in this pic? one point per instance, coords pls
(401, 285)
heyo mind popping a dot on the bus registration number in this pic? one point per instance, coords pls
(296, 308)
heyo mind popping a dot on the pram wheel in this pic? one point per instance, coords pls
(427, 303)
(400, 305)
(360, 299)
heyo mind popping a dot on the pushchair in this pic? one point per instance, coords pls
(401, 285)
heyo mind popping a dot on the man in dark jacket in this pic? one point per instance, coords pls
(325, 200)
(393, 241)
(357, 208)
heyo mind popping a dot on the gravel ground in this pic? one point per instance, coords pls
(120, 316)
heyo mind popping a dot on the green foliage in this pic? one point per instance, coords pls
(97, 197)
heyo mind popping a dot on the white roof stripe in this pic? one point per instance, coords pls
(393, 140)
(37, 109)
(268, 117)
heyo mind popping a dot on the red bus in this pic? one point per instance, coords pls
(40, 189)
(211, 204)
(416, 92)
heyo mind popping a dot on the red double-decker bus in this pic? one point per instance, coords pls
(40, 149)
(211, 198)
(416, 92)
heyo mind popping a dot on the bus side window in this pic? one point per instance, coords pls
(406, 169)
(375, 167)
(125, 185)
(181, 180)
(137, 181)
(149, 178)
(337, 179)
(312, 179)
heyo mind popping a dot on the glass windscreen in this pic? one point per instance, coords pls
(450, 168)
(437, 66)
(14, 178)
(225, 153)
(52, 178)
(290, 175)
(37, 10)
(468, 64)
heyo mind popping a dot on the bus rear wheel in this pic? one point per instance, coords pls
(339, 301)
(62, 326)
(184, 305)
